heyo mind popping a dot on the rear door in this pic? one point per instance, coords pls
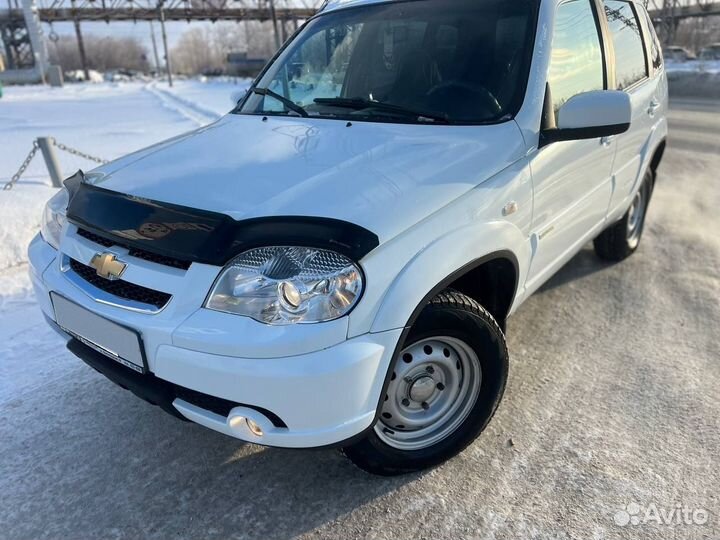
(571, 179)
(632, 67)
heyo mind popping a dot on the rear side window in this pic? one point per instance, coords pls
(576, 65)
(630, 66)
(656, 56)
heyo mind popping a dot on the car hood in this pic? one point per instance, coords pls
(384, 177)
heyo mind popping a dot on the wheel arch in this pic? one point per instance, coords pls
(657, 156)
(492, 280)
(492, 277)
(502, 256)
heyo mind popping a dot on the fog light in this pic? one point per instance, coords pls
(255, 428)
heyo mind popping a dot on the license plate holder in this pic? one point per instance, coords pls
(117, 342)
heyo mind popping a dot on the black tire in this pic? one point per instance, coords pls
(622, 239)
(455, 315)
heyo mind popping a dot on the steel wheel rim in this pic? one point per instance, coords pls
(434, 386)
(636, 215)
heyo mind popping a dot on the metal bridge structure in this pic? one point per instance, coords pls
(175, 10)
(25, 48)
(667, 14)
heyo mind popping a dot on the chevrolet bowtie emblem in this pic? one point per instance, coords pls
(107, 266)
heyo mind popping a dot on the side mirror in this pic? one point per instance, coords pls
(237, 95)
(591, 115)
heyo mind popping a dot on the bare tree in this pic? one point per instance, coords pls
(194, 52)
(103, 53)
(695, 34)
(205, 48)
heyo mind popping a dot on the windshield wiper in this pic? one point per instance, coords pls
(294, 107)
(362, 103)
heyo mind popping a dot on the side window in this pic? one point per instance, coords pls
(656, 57)
(630, 64)
(576, 64)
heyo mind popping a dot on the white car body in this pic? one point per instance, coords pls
(439, 198)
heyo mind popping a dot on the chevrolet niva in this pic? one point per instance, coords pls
(333, 262)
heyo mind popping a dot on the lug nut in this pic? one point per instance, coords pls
(440, 386)
(430, 370)
(406, 402)
(425, 405)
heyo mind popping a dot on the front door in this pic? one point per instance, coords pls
(572, 179)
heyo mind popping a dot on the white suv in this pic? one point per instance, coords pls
(333, 262)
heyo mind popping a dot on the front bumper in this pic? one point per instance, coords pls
(317, 398)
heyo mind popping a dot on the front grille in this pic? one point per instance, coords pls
(120, 288)
(96, 239)
(135, 252)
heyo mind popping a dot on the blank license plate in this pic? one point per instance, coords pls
(111, 339)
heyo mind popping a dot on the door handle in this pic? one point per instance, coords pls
(607, 141)
(654, 106)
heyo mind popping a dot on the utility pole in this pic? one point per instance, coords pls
(34, 31)
(154, 46)
(168, 65)
(81, 44)
(669, 23)
(273, 15)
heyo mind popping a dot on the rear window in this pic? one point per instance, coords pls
(630, 66)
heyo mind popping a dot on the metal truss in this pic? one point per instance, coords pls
(16, 42)
(174, 10)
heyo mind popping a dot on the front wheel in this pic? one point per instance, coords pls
(444, 388)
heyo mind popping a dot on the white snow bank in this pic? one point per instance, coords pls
(214, 95)
(693, 66)
(21, 210)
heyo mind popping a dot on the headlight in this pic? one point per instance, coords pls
(287, 285)
(53, 218)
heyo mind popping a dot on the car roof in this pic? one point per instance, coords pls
(337, 4)
(330, 5)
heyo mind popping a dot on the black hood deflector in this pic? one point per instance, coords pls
(194, 235)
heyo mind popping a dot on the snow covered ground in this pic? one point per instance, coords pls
(105, 120)
(612, 398)
(694, 66)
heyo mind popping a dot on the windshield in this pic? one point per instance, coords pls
(425, 61)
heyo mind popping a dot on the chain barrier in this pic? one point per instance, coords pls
(35, 147)
(15, 177)
(74, 152)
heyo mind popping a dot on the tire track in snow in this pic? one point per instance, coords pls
(185, 108)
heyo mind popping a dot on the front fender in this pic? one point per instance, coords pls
(445, 260)
(403, 270)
